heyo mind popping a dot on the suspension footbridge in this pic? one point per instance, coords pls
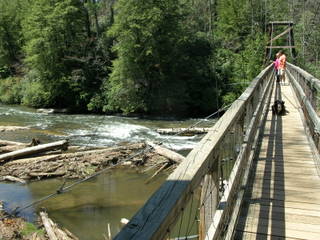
(255, 175)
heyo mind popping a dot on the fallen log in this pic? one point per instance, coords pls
(1, 208)
(13, 179)
(171, 155)
(12, 128)
(182, 131)
(11, 148)
(33, 150)
(157, 172)
(5, 143)
(53, 231)
(47, 174)
(8, 146)
(47, 226)
(32, 160)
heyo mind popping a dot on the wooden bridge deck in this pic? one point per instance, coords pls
(282, 199)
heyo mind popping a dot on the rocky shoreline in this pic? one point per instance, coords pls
(13, 228)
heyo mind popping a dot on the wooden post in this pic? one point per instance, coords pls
(288, 31)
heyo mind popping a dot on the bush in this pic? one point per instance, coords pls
(33, 92)
(29, 229)
(10, 90)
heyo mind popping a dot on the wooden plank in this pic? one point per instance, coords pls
(279, 160)
(284, 203)
(281, 214)
(281, 187)
(280, 228)
(281, 34)
(287, 170)
(280, 23)
(280, 46)
(255, 236)
(285, 163)
(302, 183)
(283, 177)
(294, 196)
(247, 223)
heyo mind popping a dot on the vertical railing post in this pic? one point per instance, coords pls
(208, 201)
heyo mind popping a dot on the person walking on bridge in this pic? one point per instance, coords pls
(276, 64)
(282, 66)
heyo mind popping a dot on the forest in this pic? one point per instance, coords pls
(183, 58)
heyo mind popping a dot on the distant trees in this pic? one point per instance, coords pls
(164, 57)
(10, 36)
(162, 65)
(62, 53)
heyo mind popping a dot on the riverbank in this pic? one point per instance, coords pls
(76, 162)
(94, 142)
(13, 228)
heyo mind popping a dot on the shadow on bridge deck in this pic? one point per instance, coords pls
(279, 202)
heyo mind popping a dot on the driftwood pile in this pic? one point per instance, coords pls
(22, 162)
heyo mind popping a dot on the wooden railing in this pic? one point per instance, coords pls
(203, 195)
(307, 89)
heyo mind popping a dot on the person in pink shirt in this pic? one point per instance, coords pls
(282, 66)
(276, 65)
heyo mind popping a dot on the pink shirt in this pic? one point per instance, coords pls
(276, 63)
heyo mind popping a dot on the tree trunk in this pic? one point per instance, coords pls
(87, 20)
(173, 156)
(96, 17)
(53, 231)
(14, 179)
(182, 131)
(33, 150)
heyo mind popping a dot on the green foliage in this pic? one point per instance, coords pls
(30, 228)
(35, 95)
(10, 90)
(70, 66)
(161, 65)
(51, 30)
(239, 57)
(10, 31)
(4, 71)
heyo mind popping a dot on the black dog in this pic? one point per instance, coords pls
(278, 107)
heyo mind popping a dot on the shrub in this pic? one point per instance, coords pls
(10, 90)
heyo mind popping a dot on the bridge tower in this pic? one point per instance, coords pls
(271, 28)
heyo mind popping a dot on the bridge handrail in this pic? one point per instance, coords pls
(309, 84)
(160, 212)
(307, 89)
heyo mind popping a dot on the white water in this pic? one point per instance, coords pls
(92, 130)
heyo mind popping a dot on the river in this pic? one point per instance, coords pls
(89, 207)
